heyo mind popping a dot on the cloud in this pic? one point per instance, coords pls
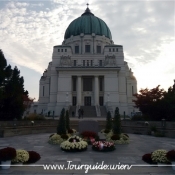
(29, 30)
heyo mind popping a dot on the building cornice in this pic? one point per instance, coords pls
(88, 68)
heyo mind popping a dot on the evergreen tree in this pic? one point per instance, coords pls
(67, 120)
(11, 91)
(117, 122)
(108, 121)
(5, 73)
(61, 128)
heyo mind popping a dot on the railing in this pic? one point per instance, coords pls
(98, 112)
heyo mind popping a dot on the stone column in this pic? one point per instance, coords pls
(96, 93)
(79, 90)
(81, 49)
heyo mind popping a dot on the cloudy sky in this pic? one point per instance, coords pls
(146, 29)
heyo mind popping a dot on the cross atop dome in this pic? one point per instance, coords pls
(87, 11)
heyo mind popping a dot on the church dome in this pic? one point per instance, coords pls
(87, 23)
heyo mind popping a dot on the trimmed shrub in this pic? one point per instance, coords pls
(117, 122)
(108, 121)
(61, 128)
(67, 120)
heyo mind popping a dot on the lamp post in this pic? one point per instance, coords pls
(163, 123)
(163, 126)
(14, 123)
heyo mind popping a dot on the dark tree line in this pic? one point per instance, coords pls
(12, 93)
(157, 103)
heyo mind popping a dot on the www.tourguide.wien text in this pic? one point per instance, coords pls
(86, 167)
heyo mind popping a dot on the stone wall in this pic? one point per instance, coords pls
(8, 128)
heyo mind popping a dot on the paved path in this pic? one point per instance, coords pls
(125, 154)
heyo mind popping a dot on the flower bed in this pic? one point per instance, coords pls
(158, 156)
(89, 136)
(74, 144)
(89, 140)
(57, 139)
(103, 146)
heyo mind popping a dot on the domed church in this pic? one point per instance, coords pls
(87, 71)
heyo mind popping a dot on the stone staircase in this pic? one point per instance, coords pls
(103, 111)
(89, 111)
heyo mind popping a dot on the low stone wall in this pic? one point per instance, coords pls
(4, 124)
(49, 126)
(9, 132)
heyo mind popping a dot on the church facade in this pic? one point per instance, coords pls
(87, 70)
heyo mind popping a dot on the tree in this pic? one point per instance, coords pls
(108, 121)
(157, 103)
(5, 73)
(168, 103)
(11, 91)
(61, 128)
(67, 120)
(149, 102)
(117, 122)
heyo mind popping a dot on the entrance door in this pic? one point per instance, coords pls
(87, 101)
(74, 101)
(101, 101)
